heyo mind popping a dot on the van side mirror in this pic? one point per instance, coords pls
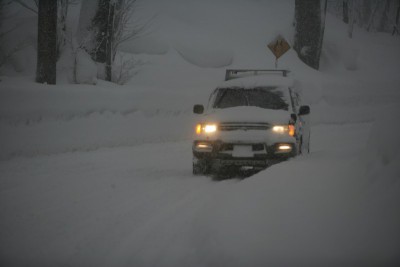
(304, 110)
(198, 109)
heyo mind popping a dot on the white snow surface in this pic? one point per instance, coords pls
(100, 175)
(196, 53)
(86, 69)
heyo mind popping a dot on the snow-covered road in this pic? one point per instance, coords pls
(141, 206)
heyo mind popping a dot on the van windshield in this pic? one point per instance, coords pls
(263, 97)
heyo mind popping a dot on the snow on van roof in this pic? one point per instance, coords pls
(258, 81)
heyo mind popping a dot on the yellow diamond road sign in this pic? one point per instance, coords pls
(279, 46)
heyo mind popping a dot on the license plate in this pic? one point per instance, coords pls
(242, 151)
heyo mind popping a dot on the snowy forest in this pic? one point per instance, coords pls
(98, 133)
(104, 25)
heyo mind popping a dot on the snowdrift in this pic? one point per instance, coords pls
(41, 119)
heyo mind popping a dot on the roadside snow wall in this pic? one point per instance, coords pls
(41, 119)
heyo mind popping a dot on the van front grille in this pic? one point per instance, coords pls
(234, 126)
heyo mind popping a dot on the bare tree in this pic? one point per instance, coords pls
(47, 42)
(99, 31)
(112, 25)
(62, 14)
(372, 15)
(126, 67)
(111, 20)
(125, 26)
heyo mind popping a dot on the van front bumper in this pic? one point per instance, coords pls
(220, 154)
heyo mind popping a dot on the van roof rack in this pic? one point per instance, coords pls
(238, 73)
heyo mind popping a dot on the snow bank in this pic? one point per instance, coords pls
(383, 148)
(43, 119)
(23, 101)
(23, 61)
(86, 68)
(315, 210)
(92, 131)
(205, 55)
(151, 45)
(76, 67)
(345, 99)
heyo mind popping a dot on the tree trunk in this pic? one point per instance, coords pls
(351, 20)
(1, 17)
(323, 17)
(110, 41)
(396, 25)
(307, 42)
(61, 25)
(99, 27)
(47, 42)
(345, 12)
(119, 23)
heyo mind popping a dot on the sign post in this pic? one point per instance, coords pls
(278, 47)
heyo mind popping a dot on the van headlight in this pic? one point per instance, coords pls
(282, 129)
(206, 128)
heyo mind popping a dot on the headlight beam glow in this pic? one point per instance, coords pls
(284, 147)
(206, 128)
(210, 128)
(280, 129)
